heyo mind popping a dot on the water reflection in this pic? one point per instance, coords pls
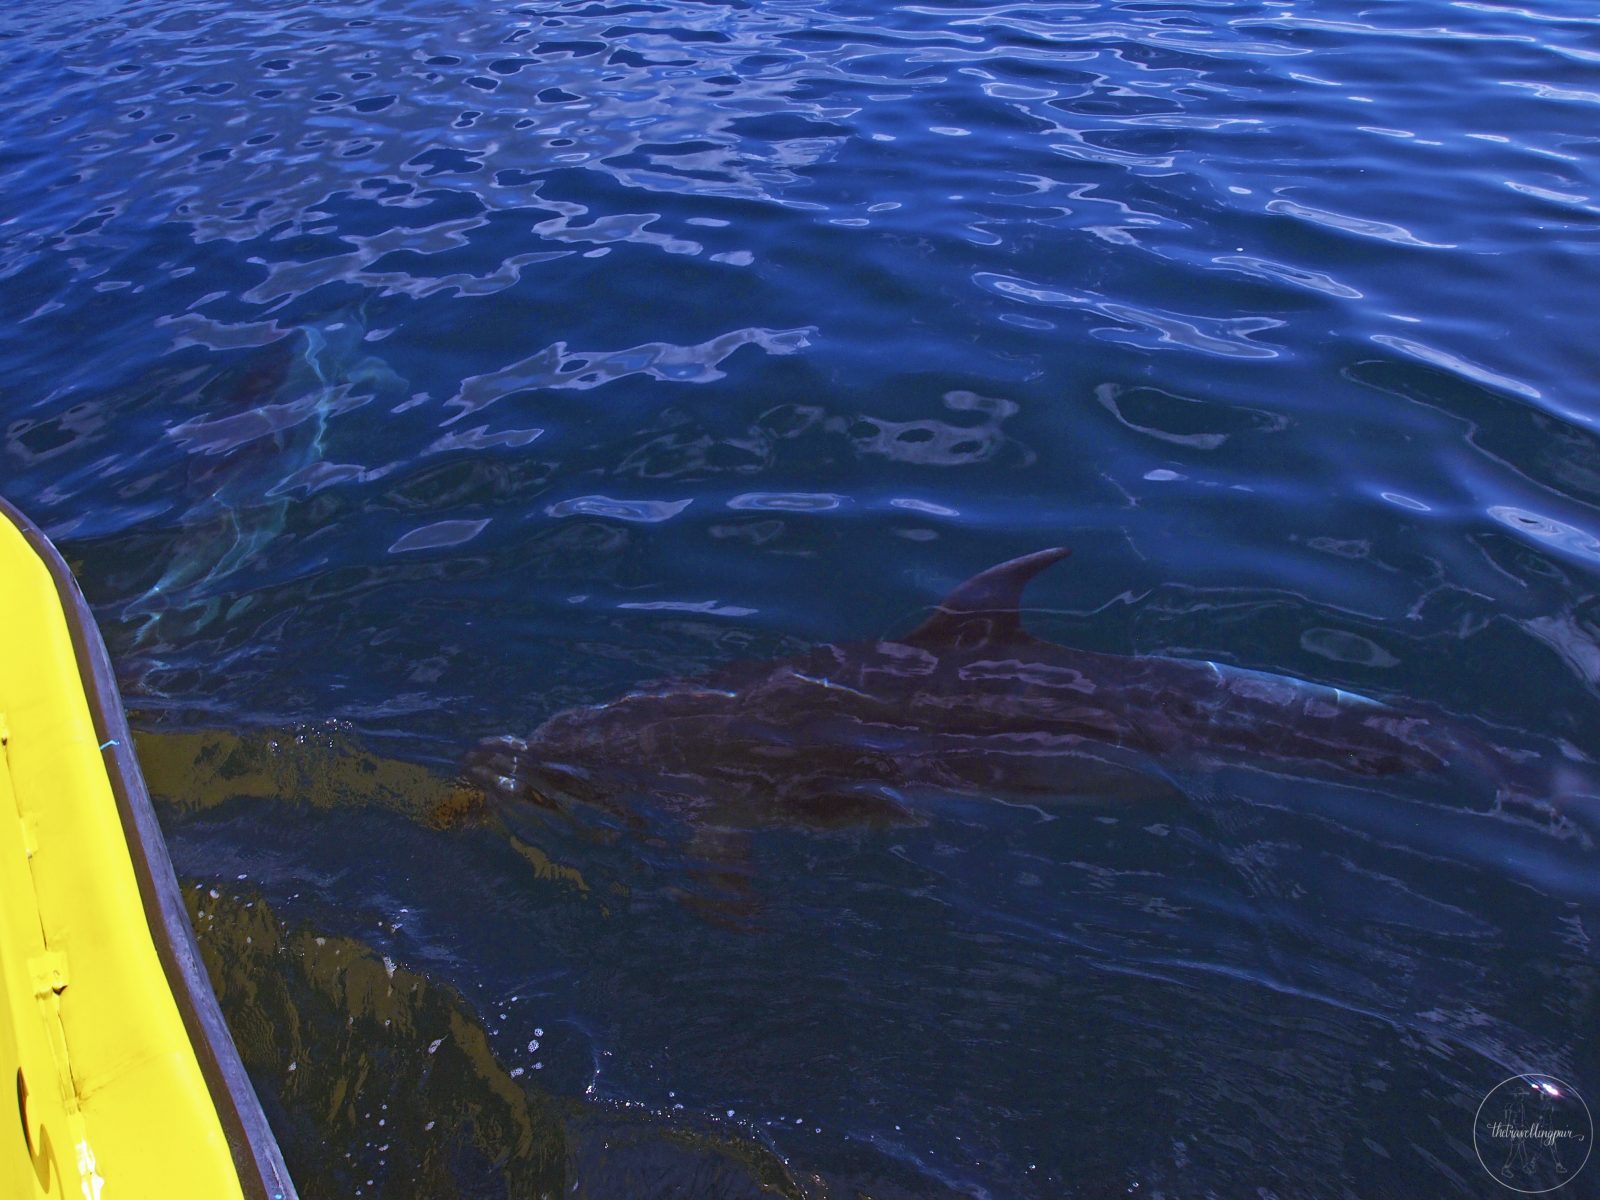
(436, 370)
(320, 766)
(383, 1082)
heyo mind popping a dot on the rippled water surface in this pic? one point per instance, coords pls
(396, 375)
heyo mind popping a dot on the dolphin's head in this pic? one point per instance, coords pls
(515, 771)
(594, 753)
(724, 751)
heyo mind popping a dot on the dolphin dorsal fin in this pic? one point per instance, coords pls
(984, 608)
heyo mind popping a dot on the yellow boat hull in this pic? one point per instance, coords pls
(127, 1082)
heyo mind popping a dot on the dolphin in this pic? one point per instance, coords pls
(262, 441)
(968, 703)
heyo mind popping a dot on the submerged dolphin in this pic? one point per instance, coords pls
(967, 703)
(262, 439)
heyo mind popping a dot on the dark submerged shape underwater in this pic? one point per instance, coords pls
(969, 703)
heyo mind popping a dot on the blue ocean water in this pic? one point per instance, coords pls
(426, 368)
